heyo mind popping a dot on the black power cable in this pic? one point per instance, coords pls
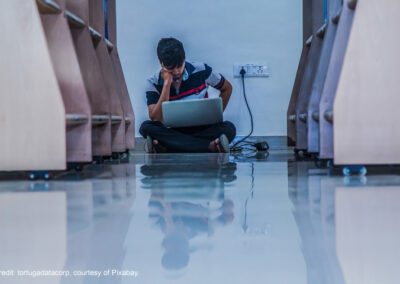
(242, 144)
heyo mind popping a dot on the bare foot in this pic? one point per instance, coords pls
(158, 148)
(215, 146)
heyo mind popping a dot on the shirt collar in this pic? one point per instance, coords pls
(185, 74)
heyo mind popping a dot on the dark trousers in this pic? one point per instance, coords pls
(187, 139)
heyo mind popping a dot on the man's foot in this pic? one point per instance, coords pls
(158, 148)
(220, 145)
(153, 146)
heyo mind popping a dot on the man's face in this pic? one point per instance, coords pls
(177, 73)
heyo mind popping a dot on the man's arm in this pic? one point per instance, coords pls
(219, 82)
(155, 110)
(225, 94)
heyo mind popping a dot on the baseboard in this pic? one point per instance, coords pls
(275, 142)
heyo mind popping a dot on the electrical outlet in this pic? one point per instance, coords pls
(252, 70)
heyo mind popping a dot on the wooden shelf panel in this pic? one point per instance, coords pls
(48, 7)
(125, 101)
(99, 20)
(30, 98)
(305, 92)
(112, 87)
(313, 18)
(97, 91)
(70, 81)
(366, 123)
(315, 43)
(80, 8)
(112, 21)
(328, 33)
(96, 15)
(331, 82)
(291, 112)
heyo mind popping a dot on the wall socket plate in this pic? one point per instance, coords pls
(252, 70)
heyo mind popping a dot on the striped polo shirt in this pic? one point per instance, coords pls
(196, 79)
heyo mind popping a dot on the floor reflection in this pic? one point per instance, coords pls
(77, 222)
(187, 200)
(98, 228)
(349, 225)
(214, 219)
(33, 227)
(368, 233)
(195, 218)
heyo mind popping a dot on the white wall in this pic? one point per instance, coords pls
(219, 33)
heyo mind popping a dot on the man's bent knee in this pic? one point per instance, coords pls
(146, 127)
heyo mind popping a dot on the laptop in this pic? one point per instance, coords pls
(186, 113)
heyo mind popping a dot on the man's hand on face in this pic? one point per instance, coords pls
(167, 76)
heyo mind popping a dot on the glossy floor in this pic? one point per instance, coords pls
(202, 218)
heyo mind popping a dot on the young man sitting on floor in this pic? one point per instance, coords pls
(183, 80)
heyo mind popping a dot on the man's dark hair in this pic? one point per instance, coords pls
(170, 52)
